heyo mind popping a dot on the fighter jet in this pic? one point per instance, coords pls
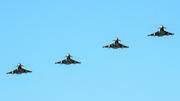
(19, 70)
(116, 45)
(68, 61)
(161, 32)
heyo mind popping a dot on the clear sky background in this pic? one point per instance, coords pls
(38, 33)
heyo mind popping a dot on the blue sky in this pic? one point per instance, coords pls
(39, 33)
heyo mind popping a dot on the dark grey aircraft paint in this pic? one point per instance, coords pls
(116, 45)
(161, 32)
(19, 70)
(68, 61)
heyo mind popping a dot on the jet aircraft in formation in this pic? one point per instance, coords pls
(19, 70)
(116, 45)
(161, 32)
(68, 60)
